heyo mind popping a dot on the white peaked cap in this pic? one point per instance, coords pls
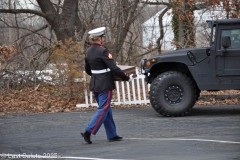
(97, 31)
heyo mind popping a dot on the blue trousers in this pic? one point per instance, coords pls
(103, 115)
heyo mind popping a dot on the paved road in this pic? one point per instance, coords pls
(207, 133)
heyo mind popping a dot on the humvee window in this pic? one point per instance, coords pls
(234, 35)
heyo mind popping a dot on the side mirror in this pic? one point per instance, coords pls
(226, 42)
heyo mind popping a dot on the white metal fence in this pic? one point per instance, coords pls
(134, 92)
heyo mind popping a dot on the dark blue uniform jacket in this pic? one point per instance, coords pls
(99, 58)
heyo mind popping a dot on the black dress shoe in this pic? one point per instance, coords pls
(116, 138)
(86, 135)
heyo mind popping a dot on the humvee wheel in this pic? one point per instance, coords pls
(173, 93)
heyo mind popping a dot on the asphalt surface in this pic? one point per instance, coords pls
(206, 133)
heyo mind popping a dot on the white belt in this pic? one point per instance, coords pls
(100, 71)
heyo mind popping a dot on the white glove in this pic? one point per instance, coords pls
(130, 78)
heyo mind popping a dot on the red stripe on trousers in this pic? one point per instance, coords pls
(100, 118)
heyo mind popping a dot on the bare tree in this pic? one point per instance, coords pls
(183, 18)
(35, 25)
(66, 18)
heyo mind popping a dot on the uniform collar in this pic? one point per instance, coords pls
(98, 44)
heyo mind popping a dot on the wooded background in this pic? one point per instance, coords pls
(48, 38)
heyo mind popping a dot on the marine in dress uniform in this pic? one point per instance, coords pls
(100, 65)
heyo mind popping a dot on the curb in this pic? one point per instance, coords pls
(219, 97)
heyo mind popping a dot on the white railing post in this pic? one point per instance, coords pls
(138, 90)
(118, 93)
(91, 98)
(130, 91)
(144, 91)
(133, 92)
(123, 92)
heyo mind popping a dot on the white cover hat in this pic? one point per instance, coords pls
(97, 31)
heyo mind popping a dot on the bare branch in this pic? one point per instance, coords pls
(148, 52)
(18, 11)
(32, 32)
(35, 32)
(169, 4)
(200, 6)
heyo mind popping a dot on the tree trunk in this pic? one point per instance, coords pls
(183, 24)
(63, 24)
(160, 17)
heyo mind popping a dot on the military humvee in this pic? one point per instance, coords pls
(178, 77)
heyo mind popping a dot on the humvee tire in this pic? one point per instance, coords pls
(173, 94)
